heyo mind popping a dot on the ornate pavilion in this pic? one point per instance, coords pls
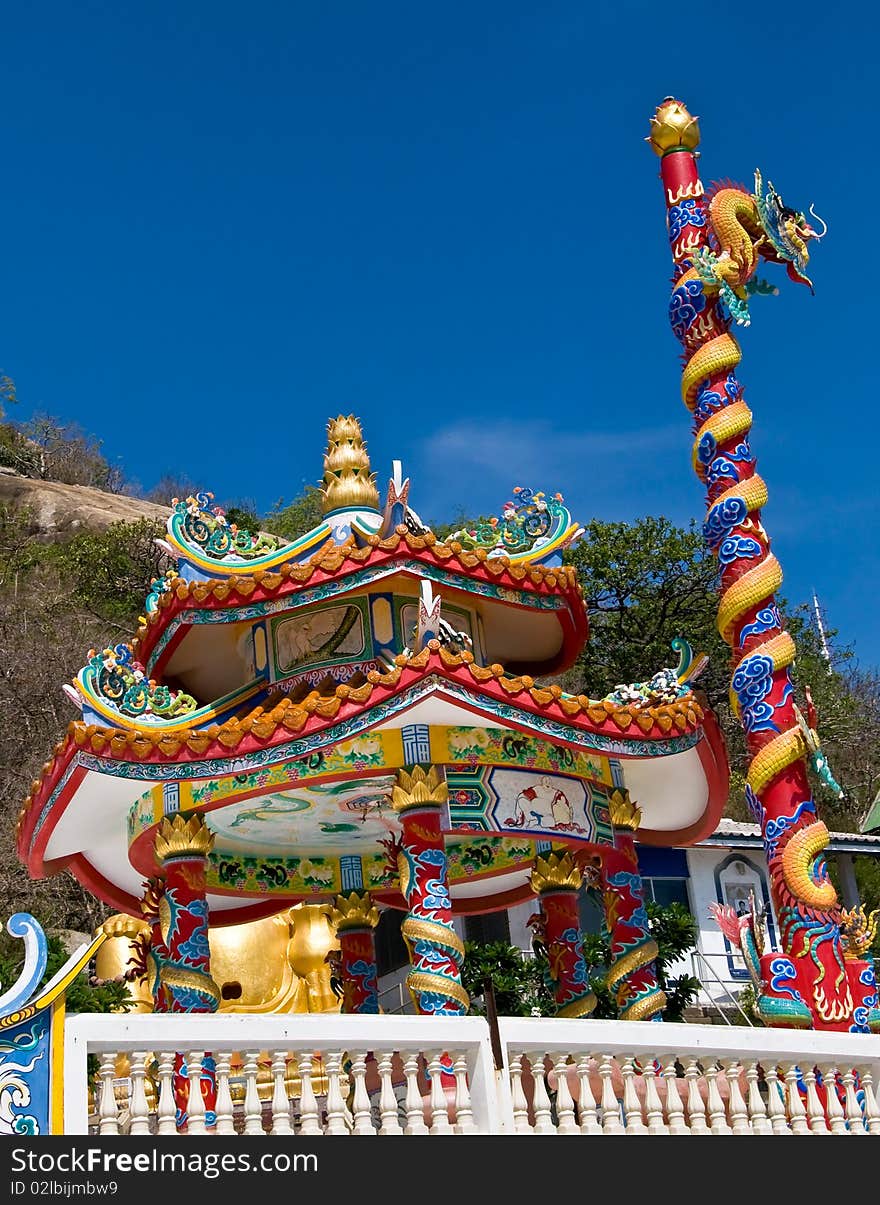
(361, 720)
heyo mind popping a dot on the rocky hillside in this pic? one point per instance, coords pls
(56, 510)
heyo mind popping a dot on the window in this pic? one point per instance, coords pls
(391, 952)
(667, 891)
(493, 926)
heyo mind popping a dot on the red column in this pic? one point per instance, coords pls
(355, 919)
(556, 881)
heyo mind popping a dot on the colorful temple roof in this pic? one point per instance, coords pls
(278, 688)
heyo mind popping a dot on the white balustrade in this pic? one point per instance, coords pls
(404, 1075)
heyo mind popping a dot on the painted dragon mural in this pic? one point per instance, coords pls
(718, 239)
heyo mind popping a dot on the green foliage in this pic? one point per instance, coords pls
(521, 989)
(81, 997)
(109, 572)
(294, 519)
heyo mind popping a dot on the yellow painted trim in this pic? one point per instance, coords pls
(217, 569)
(63, 984)
(56, 1073)
(144, 724)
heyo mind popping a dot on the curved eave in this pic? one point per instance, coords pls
(319, 720)
(397, 553)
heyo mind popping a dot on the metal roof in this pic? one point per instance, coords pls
(739, 834)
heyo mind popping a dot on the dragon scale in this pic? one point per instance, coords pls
(717, 246)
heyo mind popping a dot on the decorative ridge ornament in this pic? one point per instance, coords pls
(531, 528)
(348, 483)
(113, 681)
(624, 813)
(556, 872)
(419, 789)
(858, 931)
(179, 837)
(353, 911)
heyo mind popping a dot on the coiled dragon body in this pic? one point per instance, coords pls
(717, 246)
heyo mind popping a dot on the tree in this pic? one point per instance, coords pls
(294, 519)
(521, 988)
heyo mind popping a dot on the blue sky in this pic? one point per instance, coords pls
(223, 223)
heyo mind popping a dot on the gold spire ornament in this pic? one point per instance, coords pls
(673, 128)
(353, 912)
(554, 873)
(348, 482)
(624, 813)
(178, 837)
(419, 789)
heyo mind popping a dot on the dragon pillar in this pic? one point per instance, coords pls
(716, 246)
(435, 949)
(355, 919)
(632, 974)
(556, 881)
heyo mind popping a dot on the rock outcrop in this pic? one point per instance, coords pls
(59, 510)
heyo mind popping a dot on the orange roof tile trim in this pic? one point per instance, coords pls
(338, 560)
(315, 711)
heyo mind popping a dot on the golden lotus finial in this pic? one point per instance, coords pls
(624, 813)
(178, 837)
(673, 128)
(554, 872)
(858, 930)
(348, 482)
(418, 789)
(353, 912)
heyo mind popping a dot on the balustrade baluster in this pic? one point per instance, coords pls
(225, 1123)
(738, 1113)
(108, 1111)
(851, 1104)
(388, 1107)
(833, 1107)
(166, 1110)
(674, 1108)
(195, 1106)
(415, 1115)
(653, 1104)
(565, 1120)
(695, 1106)
(464, 1113)
(776, 1102)
(632, 1108)
(335, 1100)
(439, 1111)
(363, 1121)
(253, 1109)
(871, 1109)
(309, 1119)
(140, 1110)
(541, 1105)
(611, 1122)
(280, 1102)
(797, 1114)
(589, 1121)
(717, 1117)
(518, 1097)
(757, 1112)
(815, 1112)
